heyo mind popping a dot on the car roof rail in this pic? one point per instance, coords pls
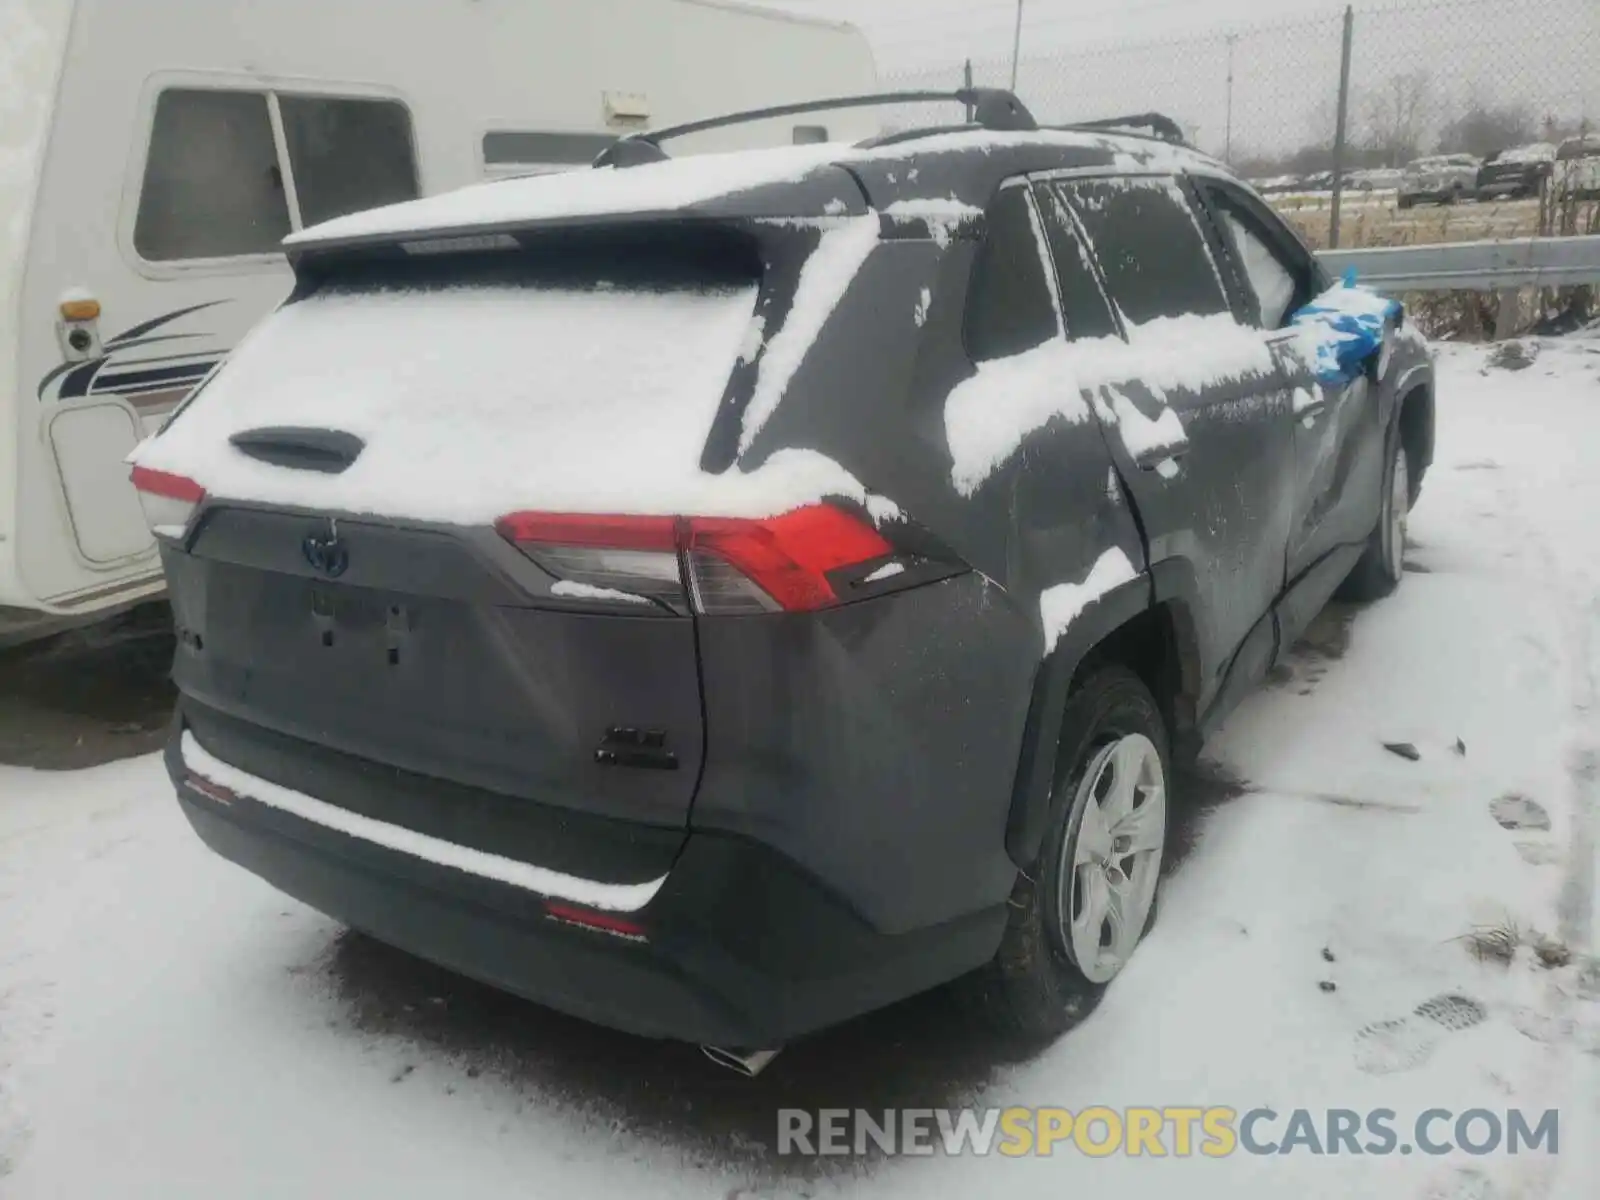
(988, 108)
(1159, 125)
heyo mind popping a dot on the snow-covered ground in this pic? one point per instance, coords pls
(170, 1027)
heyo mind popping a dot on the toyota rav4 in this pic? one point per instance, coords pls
(719, 596)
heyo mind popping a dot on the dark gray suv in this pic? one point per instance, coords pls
(718, 596)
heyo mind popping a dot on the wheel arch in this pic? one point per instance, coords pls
(1415, 423)
(1146, 625)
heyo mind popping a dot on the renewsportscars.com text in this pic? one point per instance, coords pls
(1175, 1132)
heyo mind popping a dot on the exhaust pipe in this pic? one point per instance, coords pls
(748, 1063)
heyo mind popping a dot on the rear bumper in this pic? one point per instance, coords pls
(739, 946)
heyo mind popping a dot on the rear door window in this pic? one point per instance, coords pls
(1272, 286)
(212, 183)
(1084, 309)
(1148, 241)
(347, 154)
(1009, 304)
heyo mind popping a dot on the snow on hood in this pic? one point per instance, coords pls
(988, 416)
(477, 402)
(653, 187)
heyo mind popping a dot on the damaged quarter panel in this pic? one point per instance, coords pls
(846, 739)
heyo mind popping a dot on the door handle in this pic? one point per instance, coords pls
(1309, 405)
(1153, 458)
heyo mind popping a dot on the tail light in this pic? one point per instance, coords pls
(169, 501)
(724, 565)
(599, 922)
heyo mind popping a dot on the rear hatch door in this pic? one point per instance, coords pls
(343, 581)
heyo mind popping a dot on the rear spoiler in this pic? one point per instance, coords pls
(827, 191)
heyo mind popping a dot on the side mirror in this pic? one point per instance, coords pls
(1343, 333)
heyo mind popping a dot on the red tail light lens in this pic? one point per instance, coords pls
(169, 501)
(600, 922)
(725, 564)
(789, 557)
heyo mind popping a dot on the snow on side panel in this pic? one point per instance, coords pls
(1063, 604)
(824, 280)
(942, 217)
(1194, 352)
(1143, 436)
(987, 416)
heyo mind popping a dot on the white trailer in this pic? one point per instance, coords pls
(154, 153)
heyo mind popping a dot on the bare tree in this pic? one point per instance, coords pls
(1395, 116)
(1485, 129)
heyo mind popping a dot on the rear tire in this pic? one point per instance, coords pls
(1080, 909)
(1382, 562)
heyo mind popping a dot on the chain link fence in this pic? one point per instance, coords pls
(1468, 78)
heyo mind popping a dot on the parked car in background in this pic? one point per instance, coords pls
(1439, 179)
(1577, 168)
(1516, 173)
(1375, 179)
(1276, 185)
(821, 619)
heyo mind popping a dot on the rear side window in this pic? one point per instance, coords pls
(1083, 304)
(212, 186)
(1270, 280)
(1149, 246)
(1009, 306)
(347, 154)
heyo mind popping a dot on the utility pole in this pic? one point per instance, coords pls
(1227, 154)
(1340, 126)
(1016, 47)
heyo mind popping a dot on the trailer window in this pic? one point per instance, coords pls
(212, 186)
(348, 154)
(530, 150)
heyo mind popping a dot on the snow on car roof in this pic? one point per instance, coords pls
(695, 179)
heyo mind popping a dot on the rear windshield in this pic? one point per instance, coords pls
(573, 377)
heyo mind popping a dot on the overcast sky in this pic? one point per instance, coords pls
(915, 33)
(1087, 58)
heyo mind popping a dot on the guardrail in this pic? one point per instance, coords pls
(1473, 266)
